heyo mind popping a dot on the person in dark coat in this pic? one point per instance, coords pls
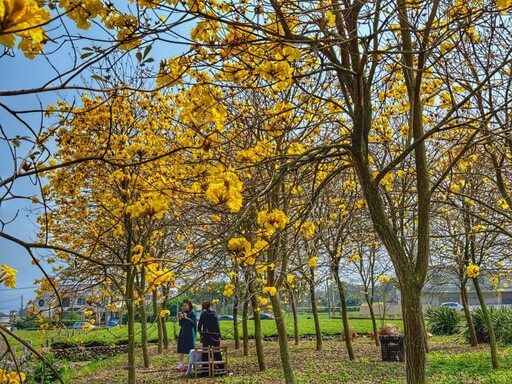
(187, 336)
(209, 328)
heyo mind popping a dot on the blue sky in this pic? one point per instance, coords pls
(18, 73)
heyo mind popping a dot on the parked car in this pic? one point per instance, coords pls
(81, 324)
(228, 318)
(453, 305)
(264, 316)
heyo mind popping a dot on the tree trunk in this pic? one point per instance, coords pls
(258, 338)
(374, 320)
(467, 313)
(245, 327)
(143, 321)
(283, 340)
(490, 326)
(414, 332)
(236, 334)
(144, 334)
(344, 314)
(130, 310)
(293, 302)
(165, 294)
(411, 276)
(158, 320)
(314, 309)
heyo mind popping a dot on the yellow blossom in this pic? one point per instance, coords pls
(157, 207)
(313, 262)
(290, 278)
(384, 279)
(8, 276)
(239, 244)
(503, 203)
(262, 300)
(165, 312)
(473, 271)
(272, 221)
(12, 377)
(503, 5)
(271, 291)
(24, 19)
(307, 229)
(232, 274)
(229, 289)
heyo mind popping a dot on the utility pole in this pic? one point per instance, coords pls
(21, 307)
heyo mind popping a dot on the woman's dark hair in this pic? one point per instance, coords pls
(205, 305)
(189, 304)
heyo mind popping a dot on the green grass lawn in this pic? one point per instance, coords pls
(307, 326)
(116, 334)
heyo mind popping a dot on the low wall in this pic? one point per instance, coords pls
(89, 353)
(378, 309)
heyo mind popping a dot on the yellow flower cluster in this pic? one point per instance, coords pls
(278, 73)
(229, 289)
(8, 276)
(88, 312)
(473, 271)
(262, 300)
(87, 326)
(156, 276)
(313, 262)
(12, 377)
(290, 278)
(272, 221)
(503, 204)
(271, 291)
(157, 207)
(171, 72)
(308, 229)
(137, 254)
(384, 279)
(225, 188)
(81, 12)
(246, 253)
(165, 312)
(23, 18)
(504, 5)
(261, 151)
(239, 244)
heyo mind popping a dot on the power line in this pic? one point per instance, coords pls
(18, 288)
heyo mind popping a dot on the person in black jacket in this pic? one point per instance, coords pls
(208, 326)
(209, 329)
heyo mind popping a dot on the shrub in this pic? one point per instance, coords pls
(42, 374)
(442, 320)
(64, 344)
(96, 343)
(502, 322)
